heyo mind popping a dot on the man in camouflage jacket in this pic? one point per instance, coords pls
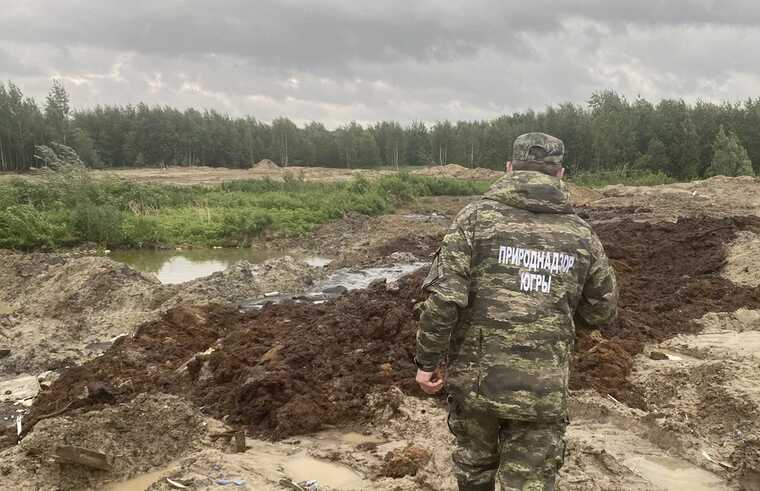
(515, 272)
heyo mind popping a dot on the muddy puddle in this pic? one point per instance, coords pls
(674, 474)
(336, 284)
(266, 462)
(141, 482)
(174, 267)
(354, 279)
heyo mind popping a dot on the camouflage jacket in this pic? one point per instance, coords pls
(515, 269)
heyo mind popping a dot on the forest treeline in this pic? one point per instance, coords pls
(608, 133)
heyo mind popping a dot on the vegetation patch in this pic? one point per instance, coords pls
(65, 206)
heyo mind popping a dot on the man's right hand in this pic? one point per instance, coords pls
(429, 382)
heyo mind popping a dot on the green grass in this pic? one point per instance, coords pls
(623, 176)
(70, 208)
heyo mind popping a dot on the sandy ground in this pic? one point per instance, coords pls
(717, 196)
(696, 429)
(216, 175)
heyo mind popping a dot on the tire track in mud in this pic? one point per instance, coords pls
(295, 369)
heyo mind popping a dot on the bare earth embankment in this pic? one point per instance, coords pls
(665, 397)
(269, 170)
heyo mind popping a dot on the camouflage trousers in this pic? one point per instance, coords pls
(520, 455)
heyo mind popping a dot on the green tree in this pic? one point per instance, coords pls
(730, 157)
(656, 157)
(84, 146)
(417, 145)
(614, 137)
(57, 112)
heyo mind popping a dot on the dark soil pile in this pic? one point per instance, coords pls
(668, 275)
(294, 369)
(297, 368)
(287, 369)
(146, 362)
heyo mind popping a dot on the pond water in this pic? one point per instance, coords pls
(172, 266)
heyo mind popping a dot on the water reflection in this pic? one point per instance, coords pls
(174, 267)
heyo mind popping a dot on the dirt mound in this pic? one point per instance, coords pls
(459, 172)
(59, 306)
(361, 240)
(149, 431)
(145, 362)
(580, 195)
(669, 276)
(717, 197)
(266, 165)
(741, 263)
(58, 310)
(245, 280)
(70, 284)
(285, 370)
(296, 368)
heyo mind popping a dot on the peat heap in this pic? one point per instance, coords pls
(669, 276)
(297, 368)
(287, 369)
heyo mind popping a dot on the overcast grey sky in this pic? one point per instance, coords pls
(340, 60)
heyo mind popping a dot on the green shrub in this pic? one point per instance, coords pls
(142, 231)
(626, 177)
(25, 227)
(192, 225)
(65, 208)
(99, 224)
(243, 225)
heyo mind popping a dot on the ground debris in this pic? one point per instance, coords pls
(71, 454)
(405, 461)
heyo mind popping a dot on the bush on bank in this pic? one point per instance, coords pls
(623, 176)
(68, 208)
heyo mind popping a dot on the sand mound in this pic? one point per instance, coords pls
(244, 281)
(741, 265)
(459, 172)
(580, 195)
(58, 310)
(717, 197)
(149, 431)
(56, 305)
(266, 165)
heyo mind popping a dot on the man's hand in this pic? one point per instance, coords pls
(430, 382)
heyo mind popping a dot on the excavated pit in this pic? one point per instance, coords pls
(297, 368)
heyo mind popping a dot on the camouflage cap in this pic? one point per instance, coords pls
(538, 146)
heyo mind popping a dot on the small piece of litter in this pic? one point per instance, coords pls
(718, 462)
(176, 484)
(310, 485)
(236, 482)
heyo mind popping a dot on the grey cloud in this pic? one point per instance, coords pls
(12, 66)
(340, 60)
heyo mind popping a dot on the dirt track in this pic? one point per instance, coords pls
(288, 371)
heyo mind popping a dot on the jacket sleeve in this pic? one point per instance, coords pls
(448, 284)
(598, 304)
